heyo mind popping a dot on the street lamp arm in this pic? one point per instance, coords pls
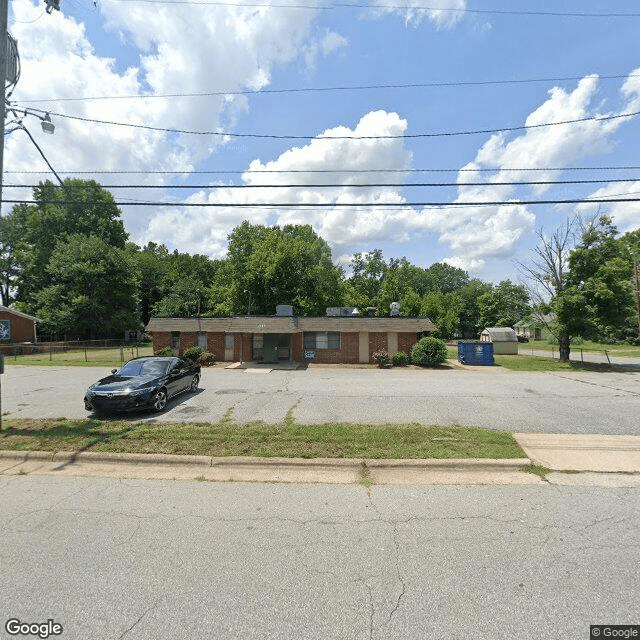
(41, 153)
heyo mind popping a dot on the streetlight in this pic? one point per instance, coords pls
(47, 125)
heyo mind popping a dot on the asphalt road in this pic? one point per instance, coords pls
(116, 559)
(562, 402)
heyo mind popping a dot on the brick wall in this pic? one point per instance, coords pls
(161, 339)
(21, 328)
(187, 340)
(379, 340)
(406, 342)
(243, 344)
(215, 345)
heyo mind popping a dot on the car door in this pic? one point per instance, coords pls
(176, 377)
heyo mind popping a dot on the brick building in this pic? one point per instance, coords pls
(16, 326)
(325, 340)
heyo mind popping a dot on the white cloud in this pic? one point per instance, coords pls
(625, 215)
(330, 43)
(477, 233)
(444, 14)
(182, 49)
(205, 229)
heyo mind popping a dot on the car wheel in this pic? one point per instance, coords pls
(194, 383)
(160, 400)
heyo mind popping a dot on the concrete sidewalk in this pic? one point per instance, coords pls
(609, 460)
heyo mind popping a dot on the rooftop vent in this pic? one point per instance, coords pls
(284, 310)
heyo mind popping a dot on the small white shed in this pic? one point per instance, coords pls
(505, 340)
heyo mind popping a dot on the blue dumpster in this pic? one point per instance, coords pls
(475, 352)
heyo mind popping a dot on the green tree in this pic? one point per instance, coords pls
(12, 228)
(367, 278)
(504, 305)
(548, 272)
(78, 207)
(272, 265)
(600, 272)
(441, 276)
(467, 298)
(91, 292)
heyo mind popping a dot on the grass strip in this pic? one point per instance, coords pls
(522, 362)
(288, 440)
(91, 357)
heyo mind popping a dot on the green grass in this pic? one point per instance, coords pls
(81, 357)
(537, 469)
(523, 362)
(586, 345)
(288, 440)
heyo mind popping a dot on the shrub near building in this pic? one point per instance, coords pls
(429, 352)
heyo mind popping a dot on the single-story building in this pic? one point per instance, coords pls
(504, 339)
(325, 340)
(16, 326)
(535, 326)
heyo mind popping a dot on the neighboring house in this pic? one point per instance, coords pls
(504, 339)
(325, 340)
(535, 326)
(16, 326)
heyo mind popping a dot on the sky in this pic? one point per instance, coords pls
(382, 124)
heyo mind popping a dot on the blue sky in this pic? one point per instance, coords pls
(438, 67)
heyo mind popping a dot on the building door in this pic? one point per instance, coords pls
(228, 347)
(276, 347)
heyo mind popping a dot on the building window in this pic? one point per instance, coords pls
(321, 340)
(201, 340)
(5, 330)
(175, 339)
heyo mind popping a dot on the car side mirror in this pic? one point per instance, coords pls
(113, 370)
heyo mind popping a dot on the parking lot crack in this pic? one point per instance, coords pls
(137, 622)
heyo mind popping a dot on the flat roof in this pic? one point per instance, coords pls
(290, 324)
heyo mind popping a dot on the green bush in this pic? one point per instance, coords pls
(400, 359)
(429, 352)
(380, 357)
(192, 353)
(167, 351)
(206, 359)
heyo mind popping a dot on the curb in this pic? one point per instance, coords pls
(98, 456)
(472, 464)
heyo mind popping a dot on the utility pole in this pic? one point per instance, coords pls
(4, 38)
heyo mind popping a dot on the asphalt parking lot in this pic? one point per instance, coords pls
(488, 397)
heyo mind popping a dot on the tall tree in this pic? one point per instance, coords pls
(79, 207)
(548, 273)
(272, 265)
(91, 292)
(504, 305)
(601, 271)
(12, 228)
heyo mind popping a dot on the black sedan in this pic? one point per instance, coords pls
(143, 383)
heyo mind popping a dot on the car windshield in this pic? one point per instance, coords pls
(144, 368)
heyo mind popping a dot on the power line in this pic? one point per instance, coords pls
(352, 5)
(344, 185)
(334, 205)
(337, 171)
(414, 85)
(227, 134)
